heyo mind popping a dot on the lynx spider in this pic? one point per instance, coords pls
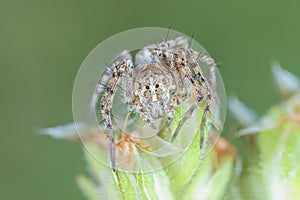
(163, 76)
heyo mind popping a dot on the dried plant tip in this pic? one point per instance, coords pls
(223, 151)
(286, 82)
(244, 115)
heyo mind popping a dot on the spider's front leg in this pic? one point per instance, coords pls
(181, 45)
(193, 57)
(200, 95)
(119, 70)
(209, 86)
(201, 90)
(180, 62)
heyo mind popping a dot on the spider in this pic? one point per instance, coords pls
(162, 77)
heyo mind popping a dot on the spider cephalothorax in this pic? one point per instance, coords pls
(162, 77)
(153, 85)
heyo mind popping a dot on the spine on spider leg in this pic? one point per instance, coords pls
(112, 149)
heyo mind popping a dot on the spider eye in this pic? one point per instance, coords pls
(147, 87)
(156, 85)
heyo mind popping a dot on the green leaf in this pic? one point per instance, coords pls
(183, 169)
(280, 155)
(128, 186)
(88, 188)
(208, 183)
(96, 168)
(220, 180)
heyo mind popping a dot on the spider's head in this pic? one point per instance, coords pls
(153, 86)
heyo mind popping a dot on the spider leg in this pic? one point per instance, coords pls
(210, 86)
(189, 113)
(194, 56)
(186, 116)
(128, 87)
(102, 84)
(124, 55)
(192, 61)
(163, 56)
(145, 57)
(180, 62)
(121, 68)
(178, 42)
(182, 45)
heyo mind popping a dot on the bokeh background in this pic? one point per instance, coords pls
(42, 44)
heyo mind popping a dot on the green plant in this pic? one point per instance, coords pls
(267, 165)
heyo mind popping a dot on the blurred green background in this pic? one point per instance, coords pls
(42, 44)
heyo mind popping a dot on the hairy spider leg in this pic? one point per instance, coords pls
(203, 57)
(120, 69)
(181, 44)
(181, 64)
